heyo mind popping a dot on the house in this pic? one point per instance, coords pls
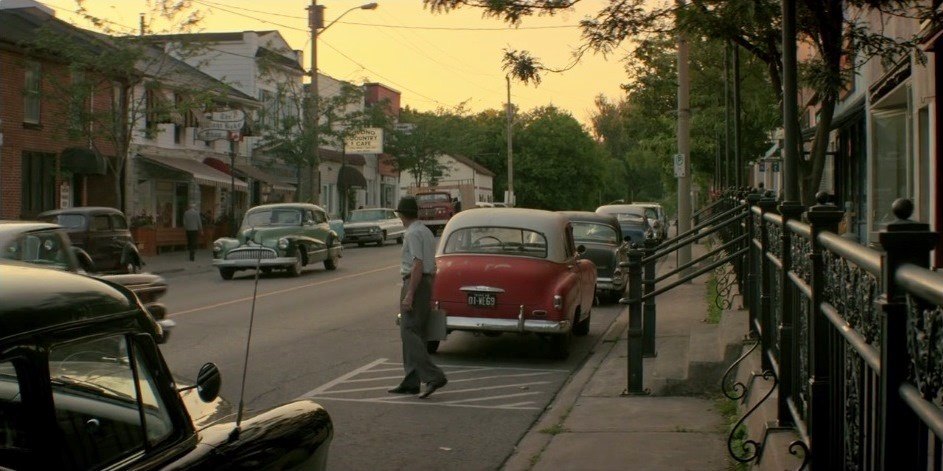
(464, 178)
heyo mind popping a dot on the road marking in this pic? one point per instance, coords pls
(280, 291)
(485, 387)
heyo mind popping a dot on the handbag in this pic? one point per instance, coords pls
(436, 327)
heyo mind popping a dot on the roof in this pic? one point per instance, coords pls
(39, 298)
(82, 210)
(621, 209)
(552, 225)
(588, 216)
(220, 36)
(477, 167)
(21, 226)
(277, 58)
(286, 205)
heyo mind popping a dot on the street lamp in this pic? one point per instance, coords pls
(316, 22)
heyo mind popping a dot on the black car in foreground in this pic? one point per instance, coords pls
(101, 232)
(605, 246)
(83, 386)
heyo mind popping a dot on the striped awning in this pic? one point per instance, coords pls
(200, 172)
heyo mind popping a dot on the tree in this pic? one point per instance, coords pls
(417, 149)
(834, 28)
(131, 69)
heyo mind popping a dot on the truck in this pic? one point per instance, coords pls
(435, 209)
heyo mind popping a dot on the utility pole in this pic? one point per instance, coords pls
(684, 148)
(315, 23)
(510, 199)
(141, 23)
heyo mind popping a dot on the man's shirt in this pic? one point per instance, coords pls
(192, 220)
(418, 242)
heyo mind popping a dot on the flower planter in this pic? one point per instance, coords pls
(146, 240)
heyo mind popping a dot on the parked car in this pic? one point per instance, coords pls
(605, 247)
(47, 245)
(285, 236)
(655, 212)
(435, 209)
(336, 224)
(84, 386)
(632, 220)
(516, 271)
(373, 226)
(101, 232)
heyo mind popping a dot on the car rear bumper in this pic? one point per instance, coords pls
(249, 263)
(606, 284)
(363, 238)
(519, 325)
(434, 222)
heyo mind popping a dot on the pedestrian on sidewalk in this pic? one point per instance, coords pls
(193, 224)
(417, 269)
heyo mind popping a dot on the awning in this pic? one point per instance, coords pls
(256, 173)
(201, 173)
(83, 161)
(350, 177)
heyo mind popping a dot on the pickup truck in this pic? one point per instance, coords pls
(435, 209)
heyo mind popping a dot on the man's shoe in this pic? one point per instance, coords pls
(403, 390)
(432, 386)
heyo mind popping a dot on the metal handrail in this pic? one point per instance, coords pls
(866, 258)
(693, 275)
(694, 230)
(665, 249)
(925, 284)
(700, 259)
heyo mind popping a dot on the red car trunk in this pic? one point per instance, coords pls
(535, 291)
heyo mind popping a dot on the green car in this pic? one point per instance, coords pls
(287, 235)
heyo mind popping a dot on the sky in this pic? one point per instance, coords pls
(434, 60)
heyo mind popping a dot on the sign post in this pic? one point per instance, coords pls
(225, 125)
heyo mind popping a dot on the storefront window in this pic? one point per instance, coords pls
(893, 163)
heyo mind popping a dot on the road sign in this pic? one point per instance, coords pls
(365, 141)
(405, 128)
(681, 170)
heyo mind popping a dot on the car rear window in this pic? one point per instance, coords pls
(68, 221)
(433, 198)
(497, 240)
(595, 233)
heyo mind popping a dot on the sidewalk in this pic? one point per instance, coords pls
(170, 264)
(591, 426)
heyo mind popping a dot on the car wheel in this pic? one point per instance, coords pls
(399, 240)
(295, 268)
(361, 244)
(331, 262)
(582, 327)
(382, 239)
(266, 270)
(560, 345)
(432, 346)
(226, 273)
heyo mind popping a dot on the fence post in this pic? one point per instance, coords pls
(648, 286)
(634, 333)
(904, 241)
(822, 418)
(750, 293)
(767, 205)
(787, 339)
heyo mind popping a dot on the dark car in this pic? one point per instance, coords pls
(101, 232)
(48, 245)
(602, 237)
(84, 386)
(632, 220)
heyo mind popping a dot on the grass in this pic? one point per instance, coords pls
(729, 410)
(713, 311)
(555, 429)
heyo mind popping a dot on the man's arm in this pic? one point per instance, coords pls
(415, 277)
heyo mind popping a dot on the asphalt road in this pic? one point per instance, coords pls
(330, 335)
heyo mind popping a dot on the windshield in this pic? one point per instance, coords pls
(595, 233)
(68, 221)
(433, 198)
(362, 215)
(272, 217)
(497, 240)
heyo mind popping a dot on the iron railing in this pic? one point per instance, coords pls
(850, 335)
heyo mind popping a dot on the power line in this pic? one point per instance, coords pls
(208, 5)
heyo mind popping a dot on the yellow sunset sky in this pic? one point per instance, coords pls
(434, 60)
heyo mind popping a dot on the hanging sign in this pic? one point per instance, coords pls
(365, 141)
(218, 125)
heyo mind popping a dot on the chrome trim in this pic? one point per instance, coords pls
(482, 289)
(265, 262)
(520, 319)
(507, 325)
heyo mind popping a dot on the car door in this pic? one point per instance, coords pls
(101, 243)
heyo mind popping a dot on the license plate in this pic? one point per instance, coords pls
(481, 300)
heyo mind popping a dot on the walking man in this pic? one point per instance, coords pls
(193, 224)
(417, 269)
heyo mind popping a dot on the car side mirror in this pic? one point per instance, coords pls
(208, 382)
(85, 261)
(581, 249)
(166, 326)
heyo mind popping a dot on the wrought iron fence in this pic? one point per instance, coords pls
(851, 336)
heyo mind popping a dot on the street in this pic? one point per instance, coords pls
(330, 335)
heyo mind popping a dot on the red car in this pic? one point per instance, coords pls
(514, 270)
(435, 209)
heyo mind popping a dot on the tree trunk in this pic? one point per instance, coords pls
(812, 171)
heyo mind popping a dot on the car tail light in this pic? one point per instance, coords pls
(558, 302)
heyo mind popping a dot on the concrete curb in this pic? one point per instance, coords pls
(534, 441)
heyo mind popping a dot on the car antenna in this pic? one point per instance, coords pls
(234, 435)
